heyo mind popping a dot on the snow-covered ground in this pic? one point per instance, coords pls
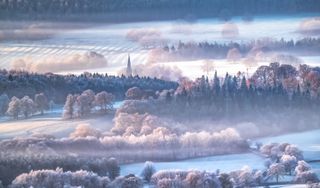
(225, 163)
(110, 41)
(51, 123)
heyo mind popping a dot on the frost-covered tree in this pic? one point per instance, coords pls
(302, 167)
(246, 177)
(104, 100)
(134, 93)
(27, 106)
(91, 96)
(129, 181)
(172, 183)
(113, 168)
(147, 171)
(293, 150)
(276, 170)
(185, 179)
(289, 163)
(69, 107)
(41, 102)
(304, 174)
(225, 180)
(85, 103)
(4, 102)
(14, 108)
(306, 177)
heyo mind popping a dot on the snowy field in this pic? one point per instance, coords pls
(110, 40)
(225, 163)
(51, 123)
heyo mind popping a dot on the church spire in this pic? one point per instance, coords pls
(129, 69)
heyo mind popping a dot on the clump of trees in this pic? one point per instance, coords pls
(304, 173)
(246, 177)
(60, 179)
(15, 163)
(287, 159)
(24, 106)
(82, 105)
(129, 180)
(185, 179)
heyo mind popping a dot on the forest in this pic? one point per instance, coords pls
(57, 87)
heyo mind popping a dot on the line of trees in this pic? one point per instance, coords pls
(24, 106)
(57, 87)
(163, 9)
(309, 46)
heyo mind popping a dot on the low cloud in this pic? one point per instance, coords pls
(88, 60)
(230, 30)
(26, 30)
(146, 37)
(310, 27)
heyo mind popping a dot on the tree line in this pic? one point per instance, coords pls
(271, 88)
(232, 50)
(57, 87)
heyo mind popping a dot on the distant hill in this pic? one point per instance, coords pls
(134, 10)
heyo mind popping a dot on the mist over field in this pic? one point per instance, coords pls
(165, 94)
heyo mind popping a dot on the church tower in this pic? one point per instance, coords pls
(129, 69)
